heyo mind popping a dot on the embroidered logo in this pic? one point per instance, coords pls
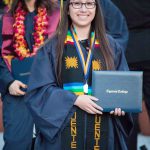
(71, 62)
(96, 65)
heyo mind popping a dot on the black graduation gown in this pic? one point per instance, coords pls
(52, 107)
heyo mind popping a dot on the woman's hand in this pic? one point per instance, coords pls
(14, 88)
(117, 112)
(85, 102)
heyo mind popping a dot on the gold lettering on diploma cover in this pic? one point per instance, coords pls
(74, 131)
(97, 132)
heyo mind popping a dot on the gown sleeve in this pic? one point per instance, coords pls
(6, 47)
(115, 23)
(123, 124)
(50, 105)
(5, 77)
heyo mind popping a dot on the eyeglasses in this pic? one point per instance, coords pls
(78, 5)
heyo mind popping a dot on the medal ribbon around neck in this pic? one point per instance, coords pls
(85, 64)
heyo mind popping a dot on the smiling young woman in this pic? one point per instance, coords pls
(60, 100)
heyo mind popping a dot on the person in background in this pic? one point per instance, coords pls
(138, 56)
(59, 98)
(26, 25)
(115, 23)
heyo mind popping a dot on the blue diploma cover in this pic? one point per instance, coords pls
(21, 69)
(118, 89)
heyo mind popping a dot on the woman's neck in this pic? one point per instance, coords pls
(30, 5)
(82, 32)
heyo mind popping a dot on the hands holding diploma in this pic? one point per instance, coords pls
(86, 103)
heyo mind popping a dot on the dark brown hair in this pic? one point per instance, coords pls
(99, 28)
(50, 5)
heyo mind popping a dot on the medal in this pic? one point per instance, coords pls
(85, 88)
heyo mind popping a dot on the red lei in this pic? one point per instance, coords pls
(40, 28)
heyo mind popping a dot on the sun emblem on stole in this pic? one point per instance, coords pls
(71, 62)
(96, 65)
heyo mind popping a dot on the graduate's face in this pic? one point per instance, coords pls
(82, 12)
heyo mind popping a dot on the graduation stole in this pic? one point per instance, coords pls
(72, 39)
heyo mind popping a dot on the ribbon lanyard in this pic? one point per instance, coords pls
(85, 64)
